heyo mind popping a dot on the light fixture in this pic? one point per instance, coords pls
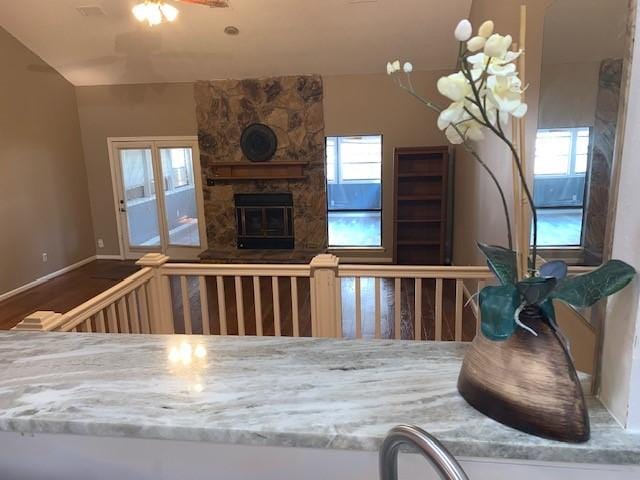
(154, 12)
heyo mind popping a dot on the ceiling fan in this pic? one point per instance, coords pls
(155, 12)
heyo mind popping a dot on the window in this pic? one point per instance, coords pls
(354, 195)
(176, 164)
(561, 163)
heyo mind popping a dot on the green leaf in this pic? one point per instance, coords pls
(585, 290)
(557, 269)
(497, 307)
(535, 290)
(502, 263)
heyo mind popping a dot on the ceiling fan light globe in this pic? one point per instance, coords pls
(169, 11)
(140, 12)
(154, 15)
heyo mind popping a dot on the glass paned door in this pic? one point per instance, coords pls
(139, 201)
(181, 208)
(159, 197)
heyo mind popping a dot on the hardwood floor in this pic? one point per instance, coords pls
(65, 292)
(71, 289)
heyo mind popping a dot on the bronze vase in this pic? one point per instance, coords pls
(527, 382)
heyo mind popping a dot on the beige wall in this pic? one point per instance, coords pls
(568, 94)
(353, 105)
(43, 183)
(126, 111)
(478, 211)
(373, 104)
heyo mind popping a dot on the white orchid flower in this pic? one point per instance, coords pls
(455, 87)
(497, 46)
(476, 44)
(463, 31)
(396, 66)
(390, 68)
(505, 93)
(453, 114)
(486, 29)
(407, 67)
(498, 67)
(453, 136)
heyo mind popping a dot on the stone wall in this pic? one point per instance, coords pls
(604, 137)
(292, 107)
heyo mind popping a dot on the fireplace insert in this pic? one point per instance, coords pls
(264, 220)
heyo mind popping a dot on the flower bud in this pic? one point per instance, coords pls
(476, 44)
(486, 29)
(463, 31)
(407, 67)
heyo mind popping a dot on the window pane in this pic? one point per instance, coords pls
(559, 227)
(354, 175)
(355, 229)
(553, 152)
(180, 197)
(140, 201)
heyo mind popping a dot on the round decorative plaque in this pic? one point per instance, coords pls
(258, 142)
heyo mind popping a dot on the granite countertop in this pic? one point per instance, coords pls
(339, 394)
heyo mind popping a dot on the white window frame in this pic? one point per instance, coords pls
(338, 167)
(572, 152)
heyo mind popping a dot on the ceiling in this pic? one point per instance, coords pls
(581, 31)
(277, 37)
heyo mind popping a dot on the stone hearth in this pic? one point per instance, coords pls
(292, 107)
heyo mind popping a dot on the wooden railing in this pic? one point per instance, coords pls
(314, 299)
(319, 299)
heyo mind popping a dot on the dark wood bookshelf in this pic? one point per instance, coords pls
(420, 210)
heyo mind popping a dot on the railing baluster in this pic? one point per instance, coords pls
(376, 309)
(166, 306)
(132, 303)
(222, 305)
(257, 302)
(418, 310)
(276, 306)
(312, 297)
(123, 316)
(204, 305)
(438, 326)
(459, 307)
(339, 306)
(358, 308)
(74, 330)
(294, 307)
(100, 326)
(186, 305)
(112, 320)
(144, 309)
(239, 305)
(87, 325)
(398, 309)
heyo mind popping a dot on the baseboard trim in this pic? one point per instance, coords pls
(109, 257)
(46, 278)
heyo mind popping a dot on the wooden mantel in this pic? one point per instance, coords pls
(257, 170)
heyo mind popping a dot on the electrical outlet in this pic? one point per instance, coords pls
(100, 243)
(45, 257)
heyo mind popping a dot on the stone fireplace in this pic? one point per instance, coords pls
(264, 221)
(237, 190)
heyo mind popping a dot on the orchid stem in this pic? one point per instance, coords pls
(473, 153)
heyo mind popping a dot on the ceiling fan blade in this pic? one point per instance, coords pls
(209, 3)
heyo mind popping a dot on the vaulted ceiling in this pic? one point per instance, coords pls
(276, 37)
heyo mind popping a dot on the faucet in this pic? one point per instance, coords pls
(440, 458)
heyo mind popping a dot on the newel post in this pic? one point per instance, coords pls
(326, 317)
(41, 321)
(159, 294)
